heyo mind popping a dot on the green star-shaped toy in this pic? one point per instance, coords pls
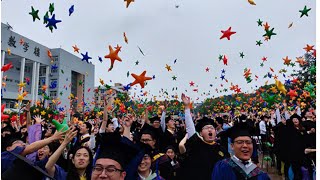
(241, 55)
(61, 93)
(304, 11)
(61, 127)
(174, 78)
(292, 64)
(137, 62)
(220, 57)
(310, 88)
(51, 8)
(34, 14)
(45, 21)
(313, 69)
(128, 74)
(80, 83)
(62, 71)
(269, 33)
(259, 22)
(258, 43)
(261, 64)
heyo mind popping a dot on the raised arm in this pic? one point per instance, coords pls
(163, 117)
(55, 156)
(191, 130)
(27, 109)
(182, 147)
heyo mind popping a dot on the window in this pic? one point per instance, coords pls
(9, 80)
(17, 81)
(42, 71)
(27, 69)
(17, 68)
(55, 58)
(53, 93)
(54, 70)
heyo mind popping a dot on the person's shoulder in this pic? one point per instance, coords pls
(263, 176)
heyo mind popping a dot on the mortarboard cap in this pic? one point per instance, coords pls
(117, 148)
(22, 168)
(237, 131)
(154, 118)
(203, 122)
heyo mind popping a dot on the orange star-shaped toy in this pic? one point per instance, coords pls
(266, 26)
(113, 55)
(49, 54)
(301, 61)
(140, 79)
(308, 48)
(44, 88)
(128, 2)
(168, 67)
(75, 49)
(286, 61)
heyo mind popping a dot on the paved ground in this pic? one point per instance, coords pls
(272, 171)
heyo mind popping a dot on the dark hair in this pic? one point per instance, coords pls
(153, 136)
(89, 126)
(72, 171)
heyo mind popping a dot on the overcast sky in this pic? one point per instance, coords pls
(189, 33)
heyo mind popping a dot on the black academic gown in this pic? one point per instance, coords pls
(200, 159)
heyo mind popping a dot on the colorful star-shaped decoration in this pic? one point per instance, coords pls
(85, 57)
(168, 67)
(80, 83)
(207, 69)
(137, 62)
(43, 113)
(286, 61)
(304, 11)
(34, 14)
(269, 33)
(113, 55)
(241, 54)
(301, 61)
(258, 43)
(227, 33)
(220, 57)
(140, 79)
(51, 8)
(191, 83)
(75, 48)
(128, 2)
(225, 60)
(266, 26)
(292, 93)
(20, 97)
(22, 85)
(174, 78)
(259, 22)
(264, 58)
(308, 48)
(52, 22)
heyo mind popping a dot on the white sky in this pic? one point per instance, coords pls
(189, 34)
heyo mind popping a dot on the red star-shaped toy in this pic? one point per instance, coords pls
(264, 59)
(266, 26)
(207, 69)
(225, 60)
(191, 83)
(292, 93)
(227, 33)
(3, 116)
(113, 55)
(140, 79)
(308, 48)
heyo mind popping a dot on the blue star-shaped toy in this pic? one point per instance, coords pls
(284, 75)
(154, 76)
(71, 9)
(54, 67)
(211, 85)
(223, 71)
(288, 82)
(127, 87)
(100, 59)
(222, 77)
(86, 57)
(52, 21)
(269, 75)
(175, 61)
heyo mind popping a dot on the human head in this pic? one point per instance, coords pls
(145, 164)
(47, 150)
(170, 152)
(155, 121)
(110, 127)
(106, 168)
(170, 122)
(241, 143)
(206, 128)
(85, 128)
(296, 119)
(219, 122)
(13, 142)
(148, 137)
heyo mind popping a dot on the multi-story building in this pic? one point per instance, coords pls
(63, 73)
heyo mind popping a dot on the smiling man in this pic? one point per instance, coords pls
(239, 166)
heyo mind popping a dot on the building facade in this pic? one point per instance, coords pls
(62, 74)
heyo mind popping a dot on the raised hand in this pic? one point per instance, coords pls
(38, 119)
(72, 132)
(185, 100)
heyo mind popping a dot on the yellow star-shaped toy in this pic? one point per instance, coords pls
(22, 84)
(16, 105)
(43, 113)
(101, 81)
(281, 87)
(20, 97)
(4, 84)
(9, 51)
(117, 101)
(168, 67)
(273, 89)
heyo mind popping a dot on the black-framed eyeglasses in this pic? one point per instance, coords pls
(145, 140)
(109, 170)
(242, 142)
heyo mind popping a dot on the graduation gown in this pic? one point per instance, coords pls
(232, 169)
(200, 159)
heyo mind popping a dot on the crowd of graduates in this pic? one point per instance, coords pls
(193, 146)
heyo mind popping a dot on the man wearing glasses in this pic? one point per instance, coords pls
(239, 166)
